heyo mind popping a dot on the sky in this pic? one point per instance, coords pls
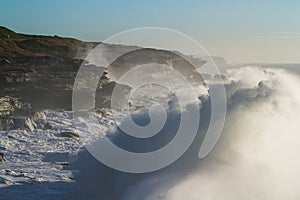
(252, 31)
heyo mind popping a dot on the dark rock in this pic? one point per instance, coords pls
(2, 159)
(69, 134)
(24, 123)
(17, 123)
(65, 164)
(6, 123)
(11, 137)
(48, 126)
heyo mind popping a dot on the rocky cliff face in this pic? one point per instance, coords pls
(40, 71)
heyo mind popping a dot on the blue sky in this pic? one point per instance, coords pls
(241, 31)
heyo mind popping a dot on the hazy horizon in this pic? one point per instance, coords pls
(241, 32)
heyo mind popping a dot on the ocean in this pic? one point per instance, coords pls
(256, 156)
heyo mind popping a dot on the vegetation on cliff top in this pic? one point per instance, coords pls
(16, 44)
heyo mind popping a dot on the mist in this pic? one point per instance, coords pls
(255, 158)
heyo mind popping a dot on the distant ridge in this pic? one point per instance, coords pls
(15, 44)
(6, 33)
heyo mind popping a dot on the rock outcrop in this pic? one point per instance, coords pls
(15, 114)
(9, 105)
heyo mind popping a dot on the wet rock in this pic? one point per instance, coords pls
(64, 164)
(24, 123)
(2, 159)
(8, 105)
(6, 124)
(17, 122)
(69, 134)
(48, 126)
(11, 105)
(11, 137)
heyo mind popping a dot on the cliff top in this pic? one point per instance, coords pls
(17, 44)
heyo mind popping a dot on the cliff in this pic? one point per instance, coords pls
(40, 70)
